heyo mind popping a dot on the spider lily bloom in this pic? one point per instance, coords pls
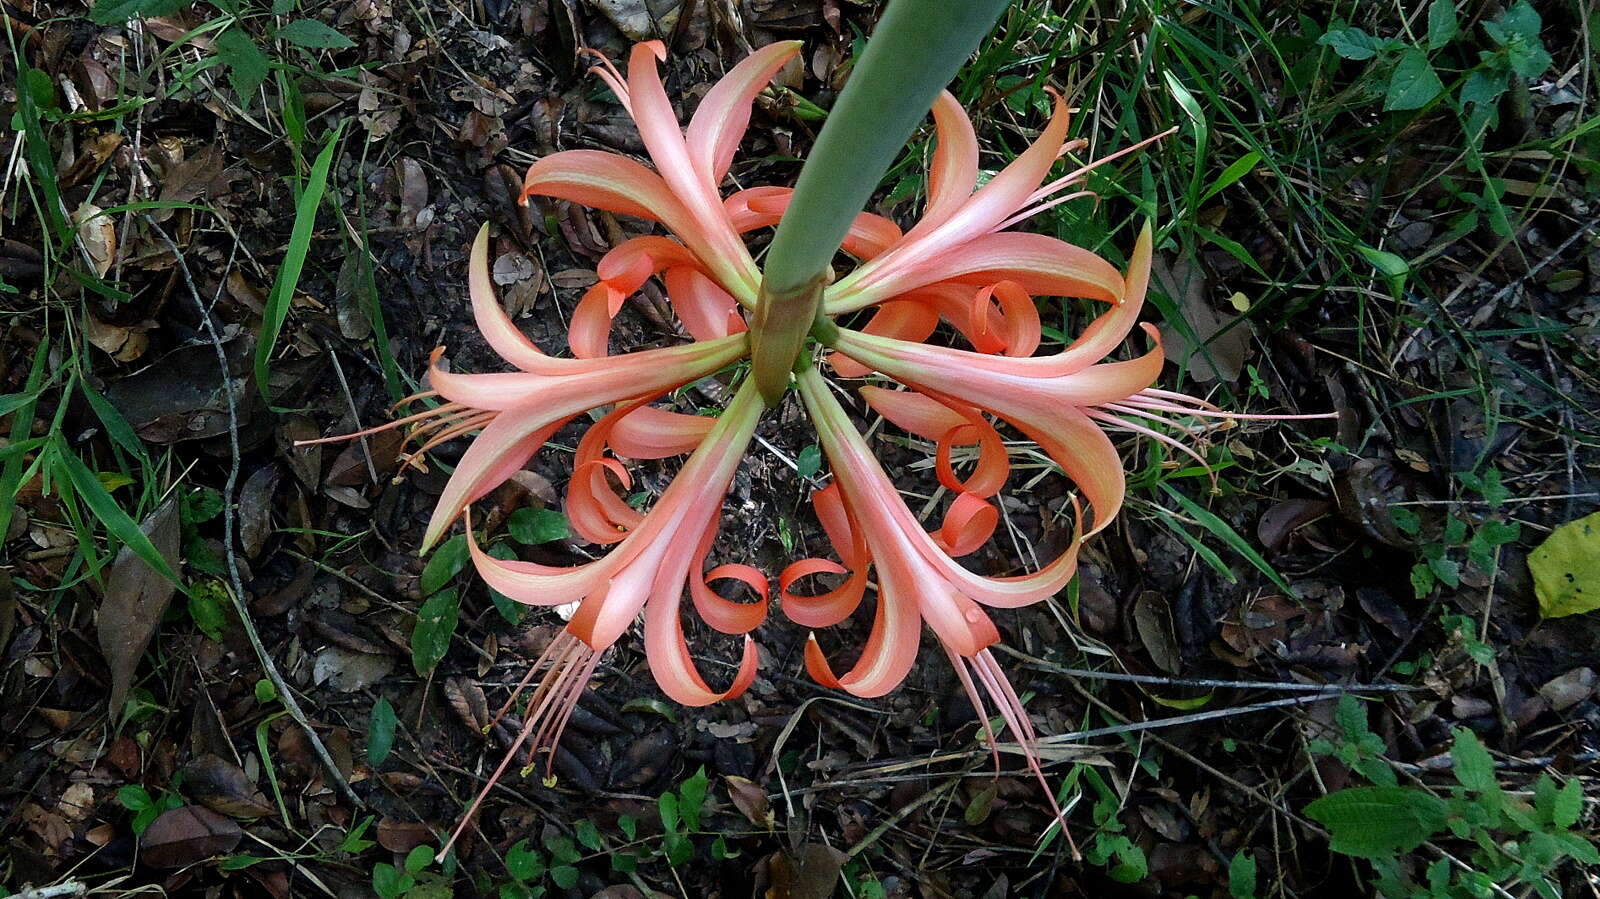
(708, 272)
(649, 569)
(958, 262)
(917, 581)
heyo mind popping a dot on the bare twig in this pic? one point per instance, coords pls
(229, 517)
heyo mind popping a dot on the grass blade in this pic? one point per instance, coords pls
(294, 260)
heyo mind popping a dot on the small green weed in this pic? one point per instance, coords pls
(1514, 844)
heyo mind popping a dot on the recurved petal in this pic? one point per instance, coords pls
(705, 309)
(538, 585)
(762, 207)
(501, 448)
(953, 172)
(1040, 265)
(606, 181)
(650, 432)
(723, 115)
(902, 319)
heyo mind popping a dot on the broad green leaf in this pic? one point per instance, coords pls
(1566, 568)
(314, 35)
(380, 731)
(1568, 804)
(1442, 27)
(1473, 767)
(1242, 876)
(1414, 84)
(1373, 822)
(534, 526)
(205, 608)
(116, 12)
(446, 562)
(436, 624)
(1389, 264)
(1350, 43)
(808, 461)
(692, 798)
(247, 65)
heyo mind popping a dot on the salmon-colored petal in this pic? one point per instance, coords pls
(953, 171)
(724, 614)
(538, 585)
(824, 609)
(1040, 265)
(762, 207)
(1018, 332)
(594, 510)
(589, 331)
(1108, 331)
(910, 321)
(994, 464)
(500, 449)
(996, 201)
(968, 524)
(706, 310)
(922, 415)
(608, 181)
(649, 432)
(617, 184)
(675, 671)
(723, 115)
(710, 233)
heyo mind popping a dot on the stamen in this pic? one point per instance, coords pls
(1067, 180)
(1035, 210)
(960, 665)
(430, 413)
(1124, 424)
(571, 665)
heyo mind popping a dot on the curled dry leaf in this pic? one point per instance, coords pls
(136, 598)
(97, 235)
(184, 836)
(750, 800)
(468, 702)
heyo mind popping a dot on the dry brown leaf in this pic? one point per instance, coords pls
(1219, 354)
(468, 702)
(223, 787)
(187, 835)
(97, 234)
(136, 597)
(810, 873)
(750, 800)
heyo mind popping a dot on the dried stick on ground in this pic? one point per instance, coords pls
(229, 515)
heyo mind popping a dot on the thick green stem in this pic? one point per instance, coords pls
(916, 50)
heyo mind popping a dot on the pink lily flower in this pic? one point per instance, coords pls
(708, 272)
(661, 556)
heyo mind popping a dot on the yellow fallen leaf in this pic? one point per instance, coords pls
(1566, 569)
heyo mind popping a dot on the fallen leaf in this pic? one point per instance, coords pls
(467, 700)
(640, 20)
(136, 598)
(810, 873)
(1152, 617)
(1569, 689)
(348, 671)
(403, 836)
(750, 800)
(1220, 343)
(223, 787)
(1566, 568)
(97, 234)
(187, 835)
